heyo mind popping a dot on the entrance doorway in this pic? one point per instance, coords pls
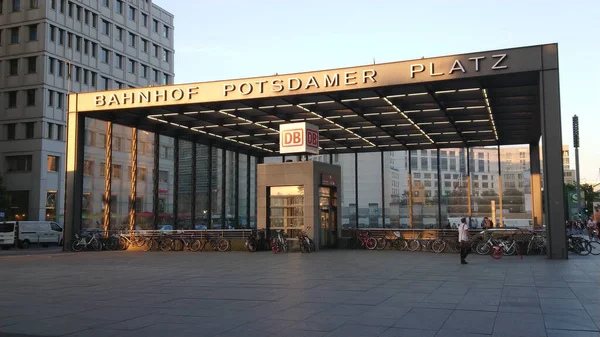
(327, 217)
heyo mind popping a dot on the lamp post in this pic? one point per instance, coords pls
(576, 145)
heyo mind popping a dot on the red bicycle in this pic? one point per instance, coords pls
(363, 240)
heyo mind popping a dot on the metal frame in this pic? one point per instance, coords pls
(107, 178)
(210, 187)
(155, 175)
(133, 174)
(236, 189)
(176, 182)
(223, 187)
(194, 168)
(382, 193)
(356, 187)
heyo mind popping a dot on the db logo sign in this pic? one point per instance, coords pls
(293, 137)
(312, 138)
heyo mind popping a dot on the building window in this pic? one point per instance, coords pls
(131, 40)
(32, 64)
(77, 74)
(105, 27)
(105, 3)
(120, 34)
(144, 71)
(59, 132)
(85, 76)
(30, 97)
(131, 67)
(53, 163)
(33, 4)
(86, 47)
(33, 32)
(144, 20)
(14, 35)
(156, 49)
(19, 163)
(86, 16)
(70, 40)
(16, 5)
(94, 49)
(51, 98)
(156, 75)
(29, 130)
(105, 83)
(119, 8)
(116, 171)
(88, 167)
(52, 33)
(165, 79)
(118, 61)
(104, 54)
(50, 65)
(94, 79)
(59, 103)
(131, 13)
(62, 6)
(155, 25)
(12, 99)
(144, 46)
(60, 68)
(53, 4)
(103, 169)
(79, 9)
(13, 66)
(78, 43)
(61, 37)
(94, 20)
(163, 177)
(165, 55)
(11, 131)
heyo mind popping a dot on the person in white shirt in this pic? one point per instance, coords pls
(463, 238)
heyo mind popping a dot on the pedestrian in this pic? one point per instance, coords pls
(591, 227)
(463, 238)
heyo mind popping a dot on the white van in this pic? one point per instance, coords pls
(8, 234)
(39, 232)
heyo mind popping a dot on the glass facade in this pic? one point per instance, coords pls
(216, 188)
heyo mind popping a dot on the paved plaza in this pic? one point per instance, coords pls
(329, 293)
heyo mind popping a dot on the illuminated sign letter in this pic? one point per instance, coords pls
(456, 66)
(291, 83)
(432, 70)
(476, 59)
(100, 100)
(192, 91)
(177, 94)
(370, 74)
(261, 86)
(349, 78)
(144, 96)
(127, 98)
(113, 100)
(228, 88)
(248, 90)
(332, 81)
(277, 87)
(312, 82)
(158, 94)
(414, 69)
(497, 65)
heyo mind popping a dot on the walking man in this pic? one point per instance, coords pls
(463, 238)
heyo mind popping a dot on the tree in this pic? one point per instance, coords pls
(590, 196)
(4, 199)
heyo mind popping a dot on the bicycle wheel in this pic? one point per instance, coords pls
(413, 245)
(178, 245)
(512, 250)
(311, 245)
(497, 252)
(138, 241)
(381, 243)
(285, 246)
(438, 246)
(147, 244)
(371, 243)
(196, 245)
(166, 244)
(251, 245)
(123, 244)
(586, 247)
(112, 243)
(595, 247)
(96, 245)
(483, 248)
(401, 244)
(223, 245)
(77, 246)
(454, 245)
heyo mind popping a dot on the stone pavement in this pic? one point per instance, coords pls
(329, 293)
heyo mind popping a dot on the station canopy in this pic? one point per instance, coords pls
(477, 99)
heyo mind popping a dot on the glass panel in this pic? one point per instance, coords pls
(369, 190)
(184, 190)
(145, 194)
(348, 202)
(243, 202)
(216, 188)
(121, 180)
(253, 196)
(454, 189)
(202, 189)
(231, 221)
(396, 189)
(424, 188)
(484, 185)
(93, 178)
(165, 183)
(516, 187)
(286, 207)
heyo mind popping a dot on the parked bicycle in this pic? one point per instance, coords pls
(279, 242)
(188, 242)
(83, 242)
(363, 240)
(306, 244)
(255, 241)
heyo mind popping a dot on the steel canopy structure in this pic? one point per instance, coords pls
(502, 97)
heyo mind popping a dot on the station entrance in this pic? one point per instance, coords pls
(432, 112)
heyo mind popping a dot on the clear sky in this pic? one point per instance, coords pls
(224, 39)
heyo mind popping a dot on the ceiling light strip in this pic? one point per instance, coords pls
(408, 119)
(489, 109)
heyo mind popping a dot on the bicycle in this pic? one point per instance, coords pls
(255, 241)
(190, 243)
(306, 244)
(81, 243)
(279, 242)
(218, 243)
(415, 244)
(362, 239)
(395, 241)
(161, 241)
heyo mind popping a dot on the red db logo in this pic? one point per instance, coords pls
(293, 137)
(312, 138)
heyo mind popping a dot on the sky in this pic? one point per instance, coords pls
(227, 39)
